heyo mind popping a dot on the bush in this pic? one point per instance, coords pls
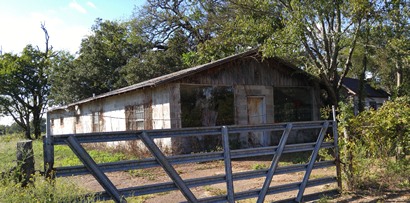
(375, 143)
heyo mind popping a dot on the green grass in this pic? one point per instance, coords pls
(143, 173)
(42, 190)
(259, 166)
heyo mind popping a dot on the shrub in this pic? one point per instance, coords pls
(374, 143)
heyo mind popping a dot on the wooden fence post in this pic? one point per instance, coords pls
(48, 151)
(25, 161)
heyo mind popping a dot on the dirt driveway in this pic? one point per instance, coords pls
(188, 171)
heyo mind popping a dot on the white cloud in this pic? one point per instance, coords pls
(90, 4)
(25, 29)
(74, 5)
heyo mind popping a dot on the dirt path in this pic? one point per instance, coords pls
(189, 171)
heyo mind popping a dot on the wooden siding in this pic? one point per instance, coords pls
(250, 71)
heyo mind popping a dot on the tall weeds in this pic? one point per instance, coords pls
(374, 146)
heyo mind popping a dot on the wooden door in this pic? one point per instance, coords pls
(256, 116)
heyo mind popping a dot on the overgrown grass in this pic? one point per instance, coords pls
(42, 190)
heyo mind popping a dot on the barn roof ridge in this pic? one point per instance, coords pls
(162, 79)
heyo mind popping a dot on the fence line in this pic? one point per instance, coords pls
(227, 154)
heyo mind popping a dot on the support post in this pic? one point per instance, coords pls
(228, 165)
(48, 150)
(336, 148)
(25, 161)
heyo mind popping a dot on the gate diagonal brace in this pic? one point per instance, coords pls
(312, 161)
(172, 173)
(90, 164)
(274, 163)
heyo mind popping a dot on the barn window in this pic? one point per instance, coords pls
(61, 121)
(206, 106)
(134, 116)
(97, 121)
(293, 104)
(52, 121)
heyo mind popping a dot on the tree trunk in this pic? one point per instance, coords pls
(37, 123)
(27, 128)
(362, 83)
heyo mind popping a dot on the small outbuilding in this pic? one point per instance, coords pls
(373, 98)
(243, 89)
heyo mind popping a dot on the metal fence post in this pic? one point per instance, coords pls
(228, 165)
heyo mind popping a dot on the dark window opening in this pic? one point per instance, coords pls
(203, 106)
(206, 106)
(293, 104)
(134, 116)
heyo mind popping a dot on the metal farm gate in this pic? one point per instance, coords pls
(325, 129)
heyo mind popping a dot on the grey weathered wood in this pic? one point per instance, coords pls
(25, 161)
(48, 151)
(336, 150)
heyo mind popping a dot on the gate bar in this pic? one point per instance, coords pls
(95, 171)
(274, 163)
(312, 162)
(172, 173)
(228, 165)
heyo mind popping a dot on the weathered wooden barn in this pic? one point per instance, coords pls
(238, 90)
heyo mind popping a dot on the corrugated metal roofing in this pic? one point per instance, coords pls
(162, 79)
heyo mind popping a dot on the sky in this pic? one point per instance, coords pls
(66, 21)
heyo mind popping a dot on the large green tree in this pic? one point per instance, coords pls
(157, 61)
(395, 43)
(24, 86)
(199, 20)
(314, 34)
(97, 68)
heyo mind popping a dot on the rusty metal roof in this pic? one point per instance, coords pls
(162, 79)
